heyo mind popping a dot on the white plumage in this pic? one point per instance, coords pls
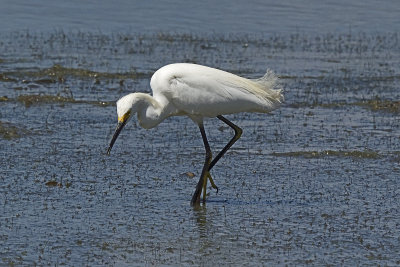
(198, 91)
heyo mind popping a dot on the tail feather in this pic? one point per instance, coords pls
(269, 88)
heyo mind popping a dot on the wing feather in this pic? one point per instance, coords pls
(204, 91)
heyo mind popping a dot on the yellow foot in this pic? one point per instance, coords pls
(212, 181)
(208, 177)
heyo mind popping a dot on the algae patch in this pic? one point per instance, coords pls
(29, 100)
(375, 105)
(58, 73)
(382, 105)
(5, 78)
(3, 98)
(10, 131)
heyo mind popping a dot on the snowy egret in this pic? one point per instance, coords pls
(199, 92)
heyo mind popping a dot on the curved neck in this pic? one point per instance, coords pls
(151, 110)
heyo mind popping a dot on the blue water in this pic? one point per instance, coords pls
(226, 16)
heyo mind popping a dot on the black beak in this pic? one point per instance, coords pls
(120, 125)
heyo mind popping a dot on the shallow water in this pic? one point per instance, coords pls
(224, 16)
(313, 183)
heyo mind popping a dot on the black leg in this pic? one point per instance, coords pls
(203, 177)
(238, 133)
(208, 164)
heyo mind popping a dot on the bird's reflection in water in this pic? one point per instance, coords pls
(200, 215)
(205, 219)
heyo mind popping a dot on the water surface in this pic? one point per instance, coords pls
(313, 183)
(224, 16)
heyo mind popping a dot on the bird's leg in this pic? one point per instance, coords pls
(204, 173)
(208, 177)
(208, 165)
(238, 133)
(205, 187)
(212, 181)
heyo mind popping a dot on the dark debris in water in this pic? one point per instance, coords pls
(53, 184)
(188, 174)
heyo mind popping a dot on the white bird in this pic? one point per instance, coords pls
(198, 92)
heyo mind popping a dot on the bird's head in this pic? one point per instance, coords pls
(124, 111)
